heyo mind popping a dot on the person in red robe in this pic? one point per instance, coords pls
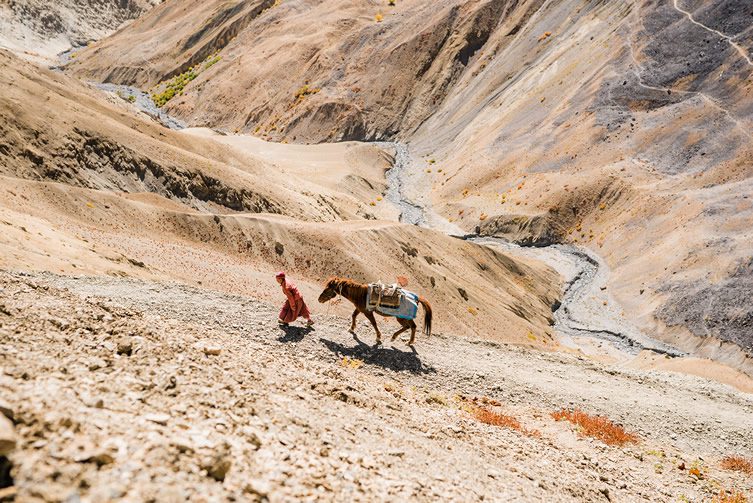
(294, 306)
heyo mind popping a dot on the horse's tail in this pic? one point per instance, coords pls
(427, 315)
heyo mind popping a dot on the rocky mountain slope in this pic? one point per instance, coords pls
(139, 355)
(129, 197)
(40, 30)
(621, 126)
(146, 391)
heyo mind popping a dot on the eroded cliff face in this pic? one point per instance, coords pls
(39, 29)
(343, 76)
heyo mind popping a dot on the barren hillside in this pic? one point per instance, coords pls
(127, 196)
(621, 126)
(568, 182)
(147, 391)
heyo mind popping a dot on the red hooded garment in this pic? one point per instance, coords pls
(294, 306)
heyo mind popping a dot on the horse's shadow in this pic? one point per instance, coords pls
(293, 334)
(389, 358)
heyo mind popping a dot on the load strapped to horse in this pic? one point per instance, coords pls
(392, 300)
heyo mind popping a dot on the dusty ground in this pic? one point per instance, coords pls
(117, 392)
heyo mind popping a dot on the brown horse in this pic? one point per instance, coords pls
(356, 293)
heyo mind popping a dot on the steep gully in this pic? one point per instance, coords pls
(587, 316)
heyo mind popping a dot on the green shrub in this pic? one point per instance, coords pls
(305, 91)
(175, 86)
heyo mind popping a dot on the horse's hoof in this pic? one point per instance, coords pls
(352, 331)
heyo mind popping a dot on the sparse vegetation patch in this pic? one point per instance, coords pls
(305, 91)
(738, 464)
(165, 91)
(597, 427)
(490, 417)
(730, 497)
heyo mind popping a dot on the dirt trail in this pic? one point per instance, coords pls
(543, 380)
(730, 40)
(152, 390)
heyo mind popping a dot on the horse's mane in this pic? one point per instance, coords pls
(343, 281)
(336, 282)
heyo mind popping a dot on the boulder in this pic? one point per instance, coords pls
(8, 437)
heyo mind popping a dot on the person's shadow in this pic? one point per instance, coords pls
(389, 358)
(293, 334)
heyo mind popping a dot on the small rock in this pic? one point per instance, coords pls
(96, 364)
(219, 464)
(258, 488)
(5, 409)
(212, 350)
(182, 443)
(158, 418)
(8, 437)
(170, 383)
(125, 348)
(251, 436)
(100, 459)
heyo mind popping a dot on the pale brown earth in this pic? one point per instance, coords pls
(623, 126)
(139, 358)
(153, 391)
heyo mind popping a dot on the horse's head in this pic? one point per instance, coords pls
(329, 292)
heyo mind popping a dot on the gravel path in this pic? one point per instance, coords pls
(512, 374)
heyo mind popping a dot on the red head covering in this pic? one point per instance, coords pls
(280, 274)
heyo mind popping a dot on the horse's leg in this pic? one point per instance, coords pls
(370, 316)
(353, 322)
(412, 333)
(404, 324)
